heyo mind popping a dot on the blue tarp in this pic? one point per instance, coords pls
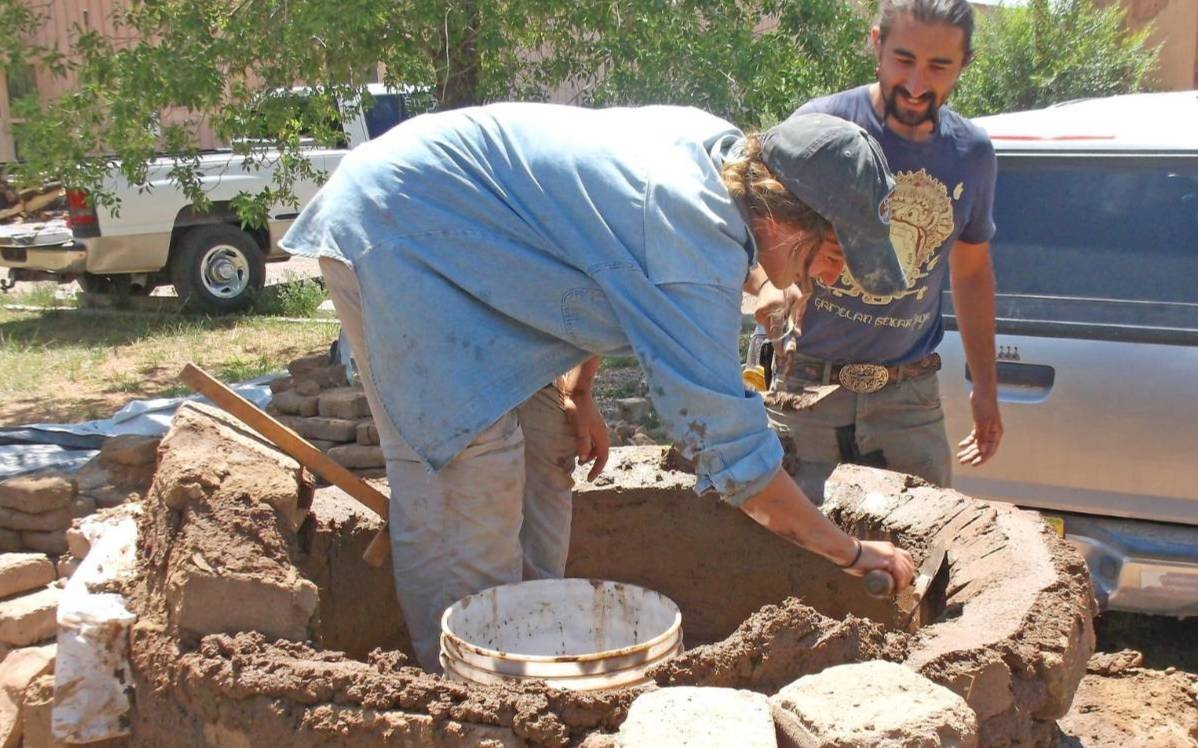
(66, 446)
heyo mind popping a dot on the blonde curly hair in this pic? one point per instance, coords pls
(751, 183)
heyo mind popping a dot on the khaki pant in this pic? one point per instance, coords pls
(498, 513)
(900, 427)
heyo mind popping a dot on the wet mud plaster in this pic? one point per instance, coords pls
(642, 523)
(222, 507)
(1016, 628)
(779, 644)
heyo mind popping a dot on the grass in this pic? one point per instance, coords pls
(39, 294)
(66, 366)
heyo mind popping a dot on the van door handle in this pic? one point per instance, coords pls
(1022, 383)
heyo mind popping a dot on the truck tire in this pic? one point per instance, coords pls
(217, 268)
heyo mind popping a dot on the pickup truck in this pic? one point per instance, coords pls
(1096, 259)
(159, 237)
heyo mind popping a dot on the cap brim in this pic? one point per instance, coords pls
(873, 262)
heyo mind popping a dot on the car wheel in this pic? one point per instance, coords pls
(218, 268)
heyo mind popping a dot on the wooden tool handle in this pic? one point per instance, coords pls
(879, 583)
(296, 447)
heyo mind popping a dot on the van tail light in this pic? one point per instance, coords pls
(83, 221)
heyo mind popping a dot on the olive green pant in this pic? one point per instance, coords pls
(900, 427)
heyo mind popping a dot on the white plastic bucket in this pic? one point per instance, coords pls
(580, 634)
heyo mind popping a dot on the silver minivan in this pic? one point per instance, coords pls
(1096, 258)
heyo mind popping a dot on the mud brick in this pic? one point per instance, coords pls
(130, 449)
(295, 404)
(324, 445)
(368, 433)
(344, 402)
(30, 618)
(358, 457)
(19, 669)
(282, 384)
(328, 377)
(203, 603)
(307, 387)
(10, 541)
(58, 519)
(22, 572)
(51, 541)
(329, 429)
(36, 494)
(308, 363)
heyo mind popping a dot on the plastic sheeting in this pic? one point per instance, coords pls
(66, 446)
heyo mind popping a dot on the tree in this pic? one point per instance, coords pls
(1051, 51)
(752, 61)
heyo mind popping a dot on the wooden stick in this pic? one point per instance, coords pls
(296, 447)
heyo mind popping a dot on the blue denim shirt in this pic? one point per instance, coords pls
(498, 247)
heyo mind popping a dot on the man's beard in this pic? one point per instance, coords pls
(930, 114)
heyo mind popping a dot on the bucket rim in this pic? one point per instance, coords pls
(673, 629)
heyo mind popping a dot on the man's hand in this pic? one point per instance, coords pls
(982, 442)
(590, 431)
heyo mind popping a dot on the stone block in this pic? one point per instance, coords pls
(328, 377)
(36, 494)
(634, 409)
(358, 457)
(53, 542)
(22, 572)
(368, 433)
(18, 670)
(294, 404)
(338, 430)
(30, 618)
(344, 402)
(877, 704)
(280, 606)
(36, 710)
(130, 449)
(698, 718)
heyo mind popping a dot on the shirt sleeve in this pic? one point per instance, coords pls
(685, 336)
(981, 215)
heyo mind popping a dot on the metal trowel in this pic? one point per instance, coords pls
(918, 603)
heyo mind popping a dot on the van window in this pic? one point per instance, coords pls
(1106, 227)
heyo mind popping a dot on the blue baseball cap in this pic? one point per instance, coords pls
(838, 170)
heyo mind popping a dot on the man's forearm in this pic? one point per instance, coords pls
(973, 304)
(579, 379)
(784, 510)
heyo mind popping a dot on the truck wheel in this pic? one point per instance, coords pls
(218, 268)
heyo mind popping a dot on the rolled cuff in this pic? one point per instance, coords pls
(738, 474)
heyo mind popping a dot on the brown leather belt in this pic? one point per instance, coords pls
(866, 378)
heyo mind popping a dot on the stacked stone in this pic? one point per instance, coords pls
(36, 510)
(317, 402)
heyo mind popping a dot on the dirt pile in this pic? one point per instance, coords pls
(1119, 705)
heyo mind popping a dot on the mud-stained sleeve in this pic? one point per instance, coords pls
(685, 336)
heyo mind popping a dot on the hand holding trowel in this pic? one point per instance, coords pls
(918, 604)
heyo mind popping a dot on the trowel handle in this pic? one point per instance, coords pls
(879, 583)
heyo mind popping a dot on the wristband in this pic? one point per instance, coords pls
(856, 556)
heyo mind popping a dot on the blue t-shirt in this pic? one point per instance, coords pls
(944, 192)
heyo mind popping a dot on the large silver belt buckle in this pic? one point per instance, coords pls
(863, 378)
